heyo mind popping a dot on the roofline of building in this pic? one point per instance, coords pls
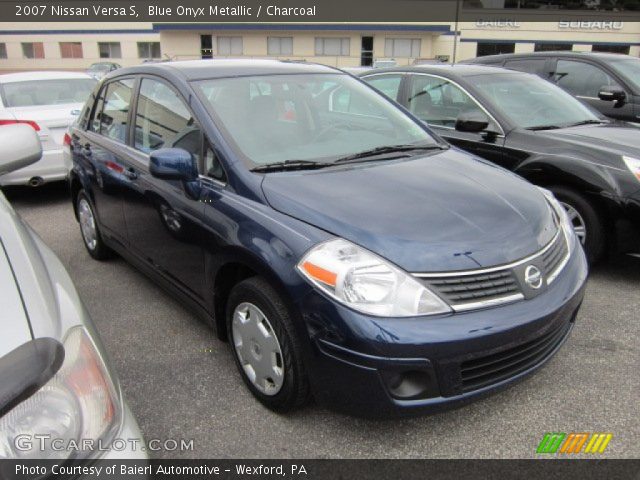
(304, 26)
(157, 27)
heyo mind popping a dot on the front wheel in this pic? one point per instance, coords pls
(265, 346)
(586, 220)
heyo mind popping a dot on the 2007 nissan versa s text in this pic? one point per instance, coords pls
(344, 250)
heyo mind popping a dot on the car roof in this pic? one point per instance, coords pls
(560, 53)
(42, 75)
(215, 68)
(457, 70)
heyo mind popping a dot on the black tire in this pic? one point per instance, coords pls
(100, 251)
(294, 392)
(595, 238)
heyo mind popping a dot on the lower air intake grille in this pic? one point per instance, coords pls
(484, 371)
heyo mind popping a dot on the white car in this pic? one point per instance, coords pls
(59, 398)
(49, 102)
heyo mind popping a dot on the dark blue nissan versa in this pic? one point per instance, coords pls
(344, 250)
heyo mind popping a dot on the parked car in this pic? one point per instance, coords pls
(48, 102)
(345, 252)
(100, 69)
(384, 63)
(529, 126)
(608, 82)
(356, 70)
(55, 380)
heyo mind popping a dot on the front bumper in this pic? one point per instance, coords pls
(627, 226)
(388, 367)
(53, 166)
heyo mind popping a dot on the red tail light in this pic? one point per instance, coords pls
(31, 123)
(66, 141)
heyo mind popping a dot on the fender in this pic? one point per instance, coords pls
(583, 175)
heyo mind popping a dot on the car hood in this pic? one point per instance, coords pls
(616, 138)
(13, 318)
(442, 212)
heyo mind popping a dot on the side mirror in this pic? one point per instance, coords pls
(472, 122)
(612, 94)
(173, 164)
(21, 147)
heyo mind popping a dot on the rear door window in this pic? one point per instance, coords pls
(114, 117)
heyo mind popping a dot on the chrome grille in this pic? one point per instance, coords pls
(553, 259)
(467, 290)
(483, 287)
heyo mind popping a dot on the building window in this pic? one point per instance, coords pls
(229, 45)
(552, 47)
(487, 48)
(3, 50)
(623, 49)
(280, 45)
(402, 47)
(149, 50)
(333, 46)
(71, 49)
(109, 50)
(33, 50)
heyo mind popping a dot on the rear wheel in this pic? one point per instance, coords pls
(586, 219)
(91, 236)
(264, 345)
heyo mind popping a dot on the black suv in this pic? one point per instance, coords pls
(608, 82)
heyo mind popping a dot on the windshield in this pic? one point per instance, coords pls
(530, 102)
(47, 92)
(629, 68)
(306, 117)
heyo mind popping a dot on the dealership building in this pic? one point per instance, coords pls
(76, 45)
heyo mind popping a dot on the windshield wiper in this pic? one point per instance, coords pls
(544, 127)
(290, 165)
(588, 122)
(374, 152)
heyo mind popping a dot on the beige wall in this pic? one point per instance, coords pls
(186, 44)
(53, 59)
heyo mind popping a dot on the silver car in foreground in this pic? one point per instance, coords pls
(48, 102)
(58, 396)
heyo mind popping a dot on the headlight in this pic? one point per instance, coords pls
(563, 219)
(79, 403)
(633, 164)
(367, 283)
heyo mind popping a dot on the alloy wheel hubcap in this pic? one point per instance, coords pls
(577, 221)
(257, 348)
(87, 224)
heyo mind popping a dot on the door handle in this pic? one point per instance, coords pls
(130, 173)
(86, 149)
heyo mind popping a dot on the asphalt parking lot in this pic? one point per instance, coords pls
(181, 383)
